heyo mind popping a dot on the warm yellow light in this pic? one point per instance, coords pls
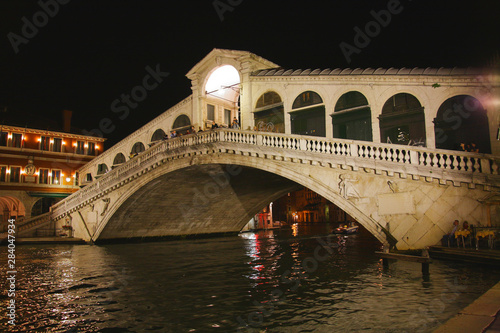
(38, 173)
(39, 139)
(97, 147)
(9, 136)
(68, 179)
(22, 172)
(62, 174)
(52, 141)
(64, 143)
(8, 171)
(74, 144)
(86, 145)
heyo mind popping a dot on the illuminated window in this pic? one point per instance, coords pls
(43, 177)
(17, 140)
(80, 147)
(210, 112)
(44, 143)
(91, 149)
(57, 146)
(3, 173)
(56, 177)
(15, 174)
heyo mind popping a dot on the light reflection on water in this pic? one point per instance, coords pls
(265, 280)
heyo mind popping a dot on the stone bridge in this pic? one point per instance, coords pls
(215, 181)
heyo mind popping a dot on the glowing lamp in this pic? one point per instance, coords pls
(74, 144)
(68, 179)
(64, 143)
(97, 147)
(22, 172)
(8, 171)
(52, 141)
(39, 139)
(86, 145)
(9, 136)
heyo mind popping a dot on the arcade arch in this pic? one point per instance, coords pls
(461, 123)
(352, 117)
(403, 121)
(269, 113)
(308, 115)
(222, 92)
(158, 135)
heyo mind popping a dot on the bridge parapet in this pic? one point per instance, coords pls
(417, 162)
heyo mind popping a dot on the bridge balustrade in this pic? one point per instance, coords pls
(461, 162)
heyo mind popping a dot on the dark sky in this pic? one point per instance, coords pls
(91, 52)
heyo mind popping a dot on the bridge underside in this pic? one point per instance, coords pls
(200, 199)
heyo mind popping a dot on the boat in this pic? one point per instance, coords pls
(347, 229)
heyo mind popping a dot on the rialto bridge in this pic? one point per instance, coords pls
(384, 145)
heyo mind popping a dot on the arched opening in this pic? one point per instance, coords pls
(158, 135)
(352, 117)
(137, 148)
(403, 121)
(182, 124)
(269, 113)
(222, 91)
(10, 208)
(461, 123)
(119, 159)
(102, 169)
(308, 115)
(42, 206)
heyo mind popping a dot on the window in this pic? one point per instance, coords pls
(17, 140)
(210, 112)
(89, 177)
(57, 146)
(91, 149)
(43, 176)
(3, 138)
(227, 117)
(15, 174)
(102, 169)
(56, 177)
(80, 147)
(3, 173)
(119, 159)
(158, 135)
(44, 143)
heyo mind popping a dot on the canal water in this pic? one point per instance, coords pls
(295, 280)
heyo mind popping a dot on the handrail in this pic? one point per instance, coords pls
(386, 154)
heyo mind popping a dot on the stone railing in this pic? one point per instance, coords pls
(33, 223)
(390, 158)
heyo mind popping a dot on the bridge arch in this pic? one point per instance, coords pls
(211, 183)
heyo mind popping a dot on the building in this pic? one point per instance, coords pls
(39, 167)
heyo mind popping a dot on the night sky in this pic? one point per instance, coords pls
(90, 52)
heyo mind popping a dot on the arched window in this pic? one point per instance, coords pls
(181, 124)
(461, 123)
(102, 169)
(158, 135)
(269, 113)
(352, 118)
(403, 121)
(310, 118)
(137, 148)
(119, 159)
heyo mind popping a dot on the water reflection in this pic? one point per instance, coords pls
(265, 280)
